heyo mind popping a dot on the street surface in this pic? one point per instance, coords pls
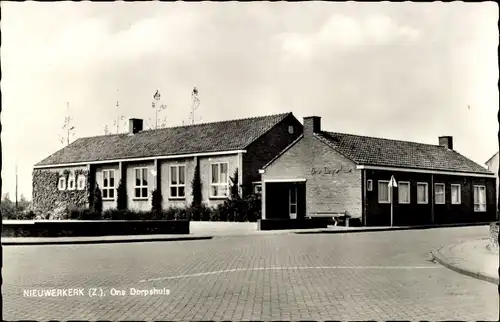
(357, 276)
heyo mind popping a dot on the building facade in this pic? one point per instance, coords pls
(492, 165)
(163, 160)
(325, 173)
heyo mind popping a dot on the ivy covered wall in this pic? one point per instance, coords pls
(46, 195)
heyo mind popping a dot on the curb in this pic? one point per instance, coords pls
(476, 275)
(103, 241)
(384, 229)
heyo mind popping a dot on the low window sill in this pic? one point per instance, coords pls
(218, 198)
(140, 199)
(108, 199)
(177, 198)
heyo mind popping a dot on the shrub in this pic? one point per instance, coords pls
(196, 187)
(97, 204)
(121, 198)
(156, 201)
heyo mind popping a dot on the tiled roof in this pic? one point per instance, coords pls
(200, 138)
(400, 154)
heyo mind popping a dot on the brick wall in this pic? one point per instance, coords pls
(414, 213)
(326, 189)
(268, 146)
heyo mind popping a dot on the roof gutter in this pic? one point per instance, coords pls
(165, 157)
(452, 173)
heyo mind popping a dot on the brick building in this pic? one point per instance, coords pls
(492, 165)
(163, 159)
(325, 173)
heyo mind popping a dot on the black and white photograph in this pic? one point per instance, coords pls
(250, 161)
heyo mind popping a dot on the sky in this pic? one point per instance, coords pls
(408, 71)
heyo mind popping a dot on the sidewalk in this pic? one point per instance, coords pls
(472, 258)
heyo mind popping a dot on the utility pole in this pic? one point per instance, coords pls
(16, 191)
(195, 102)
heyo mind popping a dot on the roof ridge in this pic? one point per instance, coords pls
(193, 125)
(222, 121)
(380, 138)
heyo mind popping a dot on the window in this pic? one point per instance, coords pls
(290, 129)
(141, 183)
(108, 184)
(71, 183)
(177, 181)
(422, 193)
(61, 185)
(456, 197)
(383, 191)
(81, 182)
(369, 185)
(479, 198)
(404, 192)
(439, 194)
(257, 188)
(219, 180)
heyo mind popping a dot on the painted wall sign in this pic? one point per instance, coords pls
(329, 171)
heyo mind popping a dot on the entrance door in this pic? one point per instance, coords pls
(292, 193)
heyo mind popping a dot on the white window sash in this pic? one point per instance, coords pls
(61, 184)
(426, 193)
(106, 186)
(406, 190)
(141, 184)
(456, 194)
(177, 169)
(479, 198)
(219, 183)
(385, 185)
(439, 195)
(80, 182)
(71, 184)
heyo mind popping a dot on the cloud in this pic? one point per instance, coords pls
(344, 33)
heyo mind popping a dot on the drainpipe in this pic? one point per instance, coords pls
(432, 198)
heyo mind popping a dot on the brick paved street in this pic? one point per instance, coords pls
(359, 276)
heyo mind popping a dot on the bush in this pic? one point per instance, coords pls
(121, 198)
(196, 188)
(156, 201)
(97, 204)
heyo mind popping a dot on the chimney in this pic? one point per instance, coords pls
(312, 124)
(134, 126)
(446, 141)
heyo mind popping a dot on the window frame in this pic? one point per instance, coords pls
(71, 179)
(459, 193)
(369, 185)
(62, 179)
(218, 184)
(81, 178)
(256, 187)
(435, 194)
(426, 185)
(141, 186)
(474, 198)
(291, 129)
(108, 188)
(386, 184)
(178, 185)
(409, 192)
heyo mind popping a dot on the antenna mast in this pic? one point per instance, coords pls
(195, 102)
